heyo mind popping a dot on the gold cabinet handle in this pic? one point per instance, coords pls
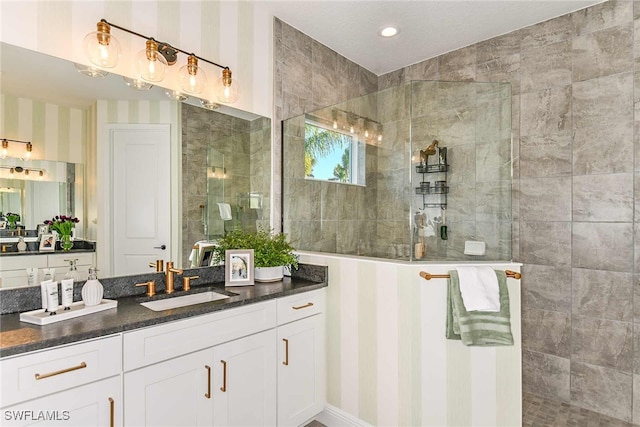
(61, 371)
(208, 393)
(309, 304)
(286, 352)
(224, 376)
(111, 412)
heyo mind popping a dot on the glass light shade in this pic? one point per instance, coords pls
(137, 84)
(90, 71)
(209, 105)
(150, 64)
(191, 77)
(176, 95)
(29, 149)
(102, 48)
(227, 89)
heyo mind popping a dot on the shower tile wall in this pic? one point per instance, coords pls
(575, 206)
(243, 144)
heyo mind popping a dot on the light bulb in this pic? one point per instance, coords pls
(101, 47)
(335, 124)
(192, 78)
(227, 88)
(29, 149)
(5, 148)
(351, 129)
(151, 65)
(12, 171)
(366, 133)
(26, 171)
(380, 138)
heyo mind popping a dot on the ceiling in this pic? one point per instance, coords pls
(428, 28)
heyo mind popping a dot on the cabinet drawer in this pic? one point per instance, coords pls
(300, 306)
(20, 262)
(40, 373)
(158, 343)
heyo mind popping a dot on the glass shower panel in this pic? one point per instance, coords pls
(421, 199)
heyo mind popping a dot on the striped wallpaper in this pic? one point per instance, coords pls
(58, 132)
(237, 34)
(388, 362)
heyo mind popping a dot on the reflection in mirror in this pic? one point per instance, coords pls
(66, 114)
(39, 190)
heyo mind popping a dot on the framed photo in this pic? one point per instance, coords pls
(3, 225)
(205, 255)
(42, 229)
(238, 267)
(47, 242)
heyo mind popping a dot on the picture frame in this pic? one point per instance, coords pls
(3, 225)
(238, 267)
(42, 229)
(205, 256)
(47, 242)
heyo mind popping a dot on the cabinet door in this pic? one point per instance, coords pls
(245, 381)
(172, 393)
(301, 370)
(95, 404)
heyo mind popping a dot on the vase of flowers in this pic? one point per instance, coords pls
(63, 225)
(12, 220)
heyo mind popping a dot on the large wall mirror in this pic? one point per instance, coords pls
(220, 158)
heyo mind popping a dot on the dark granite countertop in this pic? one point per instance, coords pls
(33, 248)
(17, 337)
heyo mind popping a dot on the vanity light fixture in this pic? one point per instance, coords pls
(13, 170)
(5, 148)
(364, 128)
(176, 95)
(103, 50)
(209, 105)
(137, 84)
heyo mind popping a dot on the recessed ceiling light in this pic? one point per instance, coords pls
(388, 31)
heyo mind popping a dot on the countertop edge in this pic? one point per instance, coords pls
(131, 303)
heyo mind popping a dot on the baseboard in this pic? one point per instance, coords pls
(335, 417)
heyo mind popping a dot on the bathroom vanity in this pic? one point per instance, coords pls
(255, 358)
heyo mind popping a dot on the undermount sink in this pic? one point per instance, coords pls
(183, 301)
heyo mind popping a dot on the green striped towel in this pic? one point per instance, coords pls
(478, 328)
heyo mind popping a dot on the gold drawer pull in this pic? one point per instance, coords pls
(286, 352)
(61, 371)
(208, 393)
(224, 376)
(309, 304)
(111, 413)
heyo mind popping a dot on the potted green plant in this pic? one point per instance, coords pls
(271, 252)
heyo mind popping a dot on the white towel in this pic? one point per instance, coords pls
(225, 211)
(479, 288)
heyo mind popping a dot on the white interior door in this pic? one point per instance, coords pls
(140, 197)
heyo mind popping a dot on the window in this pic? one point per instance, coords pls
(332, 155)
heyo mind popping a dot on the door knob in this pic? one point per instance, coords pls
(163, 247)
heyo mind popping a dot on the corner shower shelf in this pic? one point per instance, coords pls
(439, 189)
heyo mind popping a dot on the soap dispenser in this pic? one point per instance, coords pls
(73, 270)
(22, 245)
(92, 290)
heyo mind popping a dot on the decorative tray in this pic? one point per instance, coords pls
(40, 317)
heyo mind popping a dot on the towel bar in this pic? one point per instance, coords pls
(429, 276)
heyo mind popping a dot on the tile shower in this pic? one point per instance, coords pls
(390, 215)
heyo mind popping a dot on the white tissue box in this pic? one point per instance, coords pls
(474, 248)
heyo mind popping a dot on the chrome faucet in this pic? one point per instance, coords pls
(169, 277)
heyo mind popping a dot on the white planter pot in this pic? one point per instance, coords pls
(268, 274)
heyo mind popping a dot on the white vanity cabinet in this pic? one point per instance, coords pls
(72, 385)
(13, 268)
(171, 393)
(301, 357)
(229, 379)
